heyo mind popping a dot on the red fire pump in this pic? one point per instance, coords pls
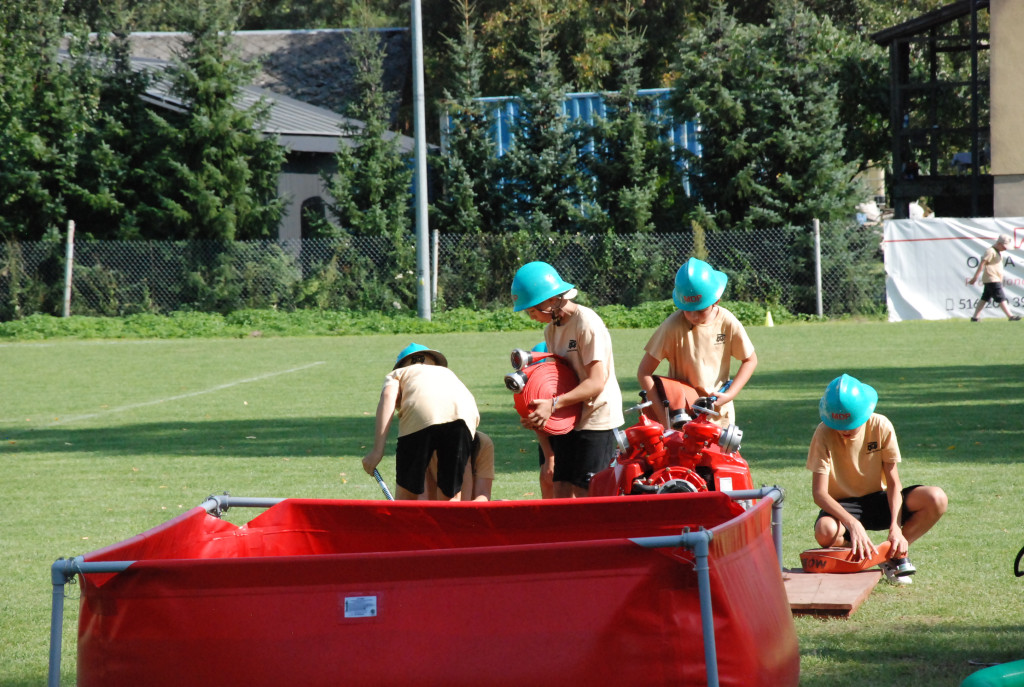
(698, 456)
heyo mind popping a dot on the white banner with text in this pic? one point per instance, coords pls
(929, 262)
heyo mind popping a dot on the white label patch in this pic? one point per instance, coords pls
(725, 483)
(360, 606)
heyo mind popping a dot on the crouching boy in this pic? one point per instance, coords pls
(854, 457)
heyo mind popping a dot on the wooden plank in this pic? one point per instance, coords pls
(835, 595)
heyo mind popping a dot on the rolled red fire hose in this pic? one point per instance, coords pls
(549, 378)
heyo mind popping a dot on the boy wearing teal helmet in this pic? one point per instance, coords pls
(577, 334)
(436, 412)
(853, 457)
(699, 341)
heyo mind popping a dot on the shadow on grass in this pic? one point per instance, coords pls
(959, 414)
(262, 438)
(942, 415)
(908, 654)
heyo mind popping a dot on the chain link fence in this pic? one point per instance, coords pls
(774, 267)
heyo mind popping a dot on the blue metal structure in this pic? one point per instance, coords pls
(503, 111)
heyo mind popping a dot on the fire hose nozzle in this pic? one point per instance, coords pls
(516, 381)
(730, 439)
(521, 358)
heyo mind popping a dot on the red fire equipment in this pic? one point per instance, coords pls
(699, 456)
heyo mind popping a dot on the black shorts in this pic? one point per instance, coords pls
(993, 291)
(873, 510)
(454, 445)
(582, 453)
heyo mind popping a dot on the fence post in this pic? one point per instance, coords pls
(437, 257)
(69, 260)
(817, 264)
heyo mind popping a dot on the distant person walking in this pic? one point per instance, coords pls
(990, 269)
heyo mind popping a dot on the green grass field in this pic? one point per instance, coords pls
(104, 439)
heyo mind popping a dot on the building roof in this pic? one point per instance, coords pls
(298, 126)
(310, 66)
(930, 20)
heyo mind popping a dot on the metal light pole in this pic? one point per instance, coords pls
(419, 133)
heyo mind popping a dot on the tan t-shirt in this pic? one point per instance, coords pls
(701, 355)
(854, 465)
(431, 395)
(993, 262)
(581, 340)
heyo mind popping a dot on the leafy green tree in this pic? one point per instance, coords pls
(582, 36)
(111, 195)
(771, 133)
(217, 176)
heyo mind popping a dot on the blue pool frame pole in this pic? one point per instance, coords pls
(64, 570)
(699, 542)
(61, 572)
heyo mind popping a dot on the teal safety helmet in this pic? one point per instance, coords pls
(419, 348)
(534, 283)
(542, 347)
(698, 285)
(847, 403)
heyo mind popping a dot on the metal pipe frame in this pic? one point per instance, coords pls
(699, 542)
(64, 570)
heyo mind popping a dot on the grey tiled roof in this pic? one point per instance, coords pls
(310, 66)
(304, 74)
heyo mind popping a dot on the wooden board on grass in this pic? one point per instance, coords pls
(828, 594)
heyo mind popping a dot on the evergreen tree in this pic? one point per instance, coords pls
(771, 135)
(541, 186)
(371, 190)
(637, 176)
(467, 163)
(111, 195)
(217, 177)
(465, 204)
(41, 121)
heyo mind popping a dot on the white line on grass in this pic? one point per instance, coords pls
(178, 397)
(88, 342)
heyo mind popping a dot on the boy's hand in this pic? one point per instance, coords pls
(899, 546)
(542, 410)
(859, 541)
(371, 460)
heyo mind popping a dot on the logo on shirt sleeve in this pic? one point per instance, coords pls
(572, 345)
(872, 446)
(720, 338)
